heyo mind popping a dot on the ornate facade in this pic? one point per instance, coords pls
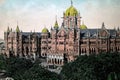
(62, 43)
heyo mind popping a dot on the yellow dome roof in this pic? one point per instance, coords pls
(45, 30)
(71, 11)
(83, 26)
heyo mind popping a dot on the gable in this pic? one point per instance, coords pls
(62, 32)
(103, 33)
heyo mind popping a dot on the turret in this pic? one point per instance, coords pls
(8, 29)
(17, 29)
(56, 26)
(44, 42)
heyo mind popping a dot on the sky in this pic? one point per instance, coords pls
(34, 15)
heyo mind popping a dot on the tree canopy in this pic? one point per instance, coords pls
(104, 66)
(93, 67)
(25, 69)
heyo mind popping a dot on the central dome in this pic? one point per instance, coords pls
(71, 11)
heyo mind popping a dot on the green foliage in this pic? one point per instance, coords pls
(39, 73)
(24, 69)
(17, 66)
(93, 67)
(2, 62)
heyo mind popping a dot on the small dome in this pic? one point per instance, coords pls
(83, 26)
(71, 11)
(45, 30)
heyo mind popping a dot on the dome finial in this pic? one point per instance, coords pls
(71, 2)
(56, 17)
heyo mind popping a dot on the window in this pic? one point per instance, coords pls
(83, 42)
(103, 41)
(111, 42)
(61, 43)
(92, 42)
(70, 43)
(117, 41)
(49, 47)
(44, 47)
(44, 42)
(49, 42)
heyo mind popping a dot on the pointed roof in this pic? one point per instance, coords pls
(17, 29)
(103, 26)
(56, 24)
(118, 29)
(8, 29)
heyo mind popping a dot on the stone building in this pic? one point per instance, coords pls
(62, 43)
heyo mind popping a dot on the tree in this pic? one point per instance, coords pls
(38, 73)
(2, 62)
(17, 66)
(24, 69)
(92, 67)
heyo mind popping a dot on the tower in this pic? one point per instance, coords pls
(71, 17)
(16, 40)
(6, 33)
(44, 42)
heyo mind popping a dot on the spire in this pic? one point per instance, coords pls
(71, 3)
(56, 23)
(8, 29)
(17, 28)
(118, 29)
(51, 28)
(103, 26)
(11, 30)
